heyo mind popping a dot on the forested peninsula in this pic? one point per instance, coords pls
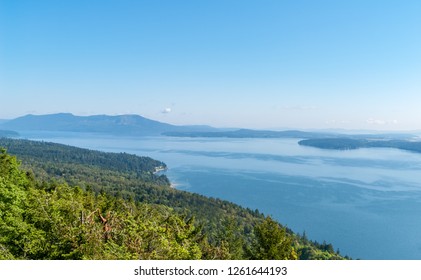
(63, 202)
(351, 144)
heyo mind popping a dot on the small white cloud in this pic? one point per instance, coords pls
(298, 108)
(166, 111)
(337, 122)
(373, 121)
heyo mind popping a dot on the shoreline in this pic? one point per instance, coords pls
(159, 169)
(163, 169)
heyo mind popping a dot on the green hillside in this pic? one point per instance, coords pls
(61, 195)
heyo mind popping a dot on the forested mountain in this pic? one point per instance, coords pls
(116, 125)
(71, 203)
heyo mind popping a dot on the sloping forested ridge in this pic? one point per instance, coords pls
(8, 133)
(71, 203)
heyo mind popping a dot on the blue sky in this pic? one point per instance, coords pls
(256, 64)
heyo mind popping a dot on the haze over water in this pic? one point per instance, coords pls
(365, 202)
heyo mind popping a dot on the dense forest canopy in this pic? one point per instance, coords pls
(70, 203)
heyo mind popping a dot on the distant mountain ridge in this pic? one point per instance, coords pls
(135, 125)
(120, 125)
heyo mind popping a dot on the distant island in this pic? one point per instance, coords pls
(249, 133)
(352, 144)
(135, 125)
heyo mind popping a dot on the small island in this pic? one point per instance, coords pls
(352, 144)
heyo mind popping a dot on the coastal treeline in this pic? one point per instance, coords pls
(67, 203)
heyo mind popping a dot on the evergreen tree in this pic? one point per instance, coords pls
(271, 242)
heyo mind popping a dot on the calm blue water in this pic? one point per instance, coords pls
(365, 202)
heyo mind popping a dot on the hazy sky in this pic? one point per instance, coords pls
(256, 64)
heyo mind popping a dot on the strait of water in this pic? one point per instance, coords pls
(365, 202)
